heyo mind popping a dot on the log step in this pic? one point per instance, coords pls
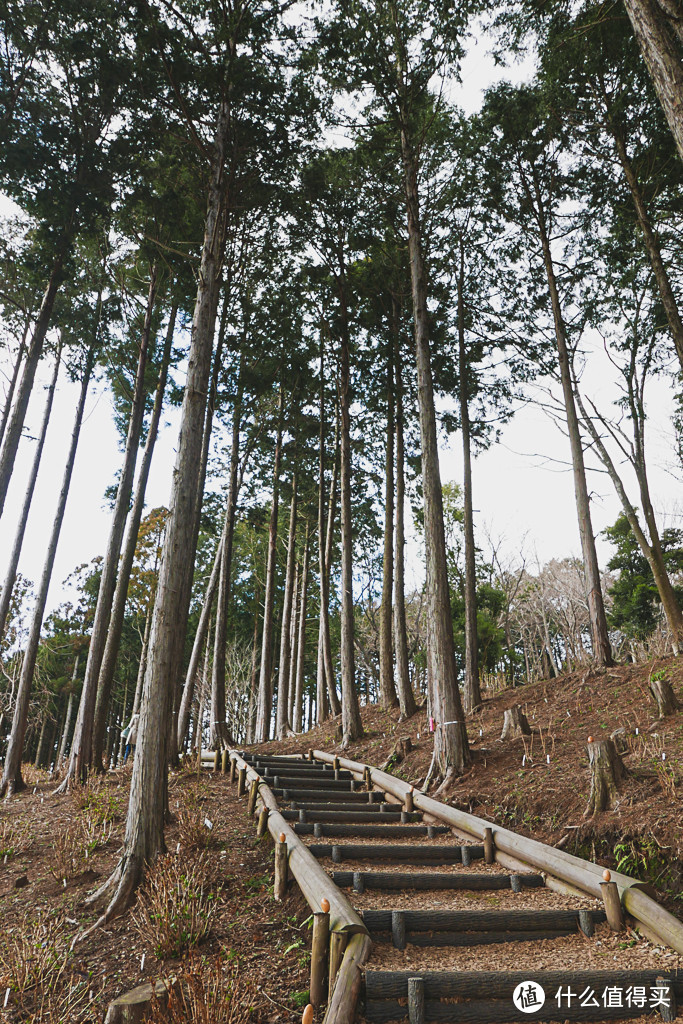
(354, 806)
(331, 785)
(406, 854)
(494, 1011)
(299, 793)
(359, 815)
(387, 831)
(383, 989)
(269, 772)
(479, 920)
(436, 880)
(501, 984)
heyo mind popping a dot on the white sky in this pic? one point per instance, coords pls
(521, 491)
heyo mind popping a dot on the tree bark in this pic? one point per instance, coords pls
(602, 652)
(472, 688)
(282, 725)
(11, 574)
(81, 748)
(12, 781)
(144, 836)
(15, 424)
(301, 646)
(221, 737)
(406, 699)
(113, 640)
(386, 650)
(326, 689)
(265, 691)
(662, 56)
(352, 726)
(451, 748)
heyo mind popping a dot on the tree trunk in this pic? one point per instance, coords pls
(203, 462)
(221, 737)
(326, 688)
(11, 574)
(67, 720)
(113, 640)
(472, 688)
(301, 646)
(650, 240)
(451, 748)
(197, 647)
(602, 652)
(294, 639)
(352, 726)
(254, 675)
(81, 747)
(13, 382)
(406, 699)
(265, 691)
(41, 738)
(12, 781)
(661, 53)
(386, 650)
(282, 725)
(15, 424)
(144, 836)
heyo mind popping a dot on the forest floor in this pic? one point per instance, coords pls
(252, 963)
(539, 785)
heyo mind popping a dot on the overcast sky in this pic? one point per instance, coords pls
(522, 486)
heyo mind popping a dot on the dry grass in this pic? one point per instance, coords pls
(213, 992)
(175, 906)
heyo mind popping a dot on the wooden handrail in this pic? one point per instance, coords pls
(572, 871)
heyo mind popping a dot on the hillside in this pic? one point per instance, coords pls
(539, 785)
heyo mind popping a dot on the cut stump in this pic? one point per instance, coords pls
(132, 1007)
(607, 771)
(667, 702)
(515, 724)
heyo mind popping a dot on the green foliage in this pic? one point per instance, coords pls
(636, 609)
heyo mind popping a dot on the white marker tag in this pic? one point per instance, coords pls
(209, 824)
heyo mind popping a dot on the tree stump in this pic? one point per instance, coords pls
(620, 740)
(607, 771)
(667, 702)
(402, 748)
(515, 724)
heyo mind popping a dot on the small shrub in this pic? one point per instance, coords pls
(193, 834)
(175, 907)
(15, 838)
(208, 992)
(33, 956)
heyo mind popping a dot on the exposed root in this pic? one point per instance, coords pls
(128, 875)
(112, 880)
(448, 779)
